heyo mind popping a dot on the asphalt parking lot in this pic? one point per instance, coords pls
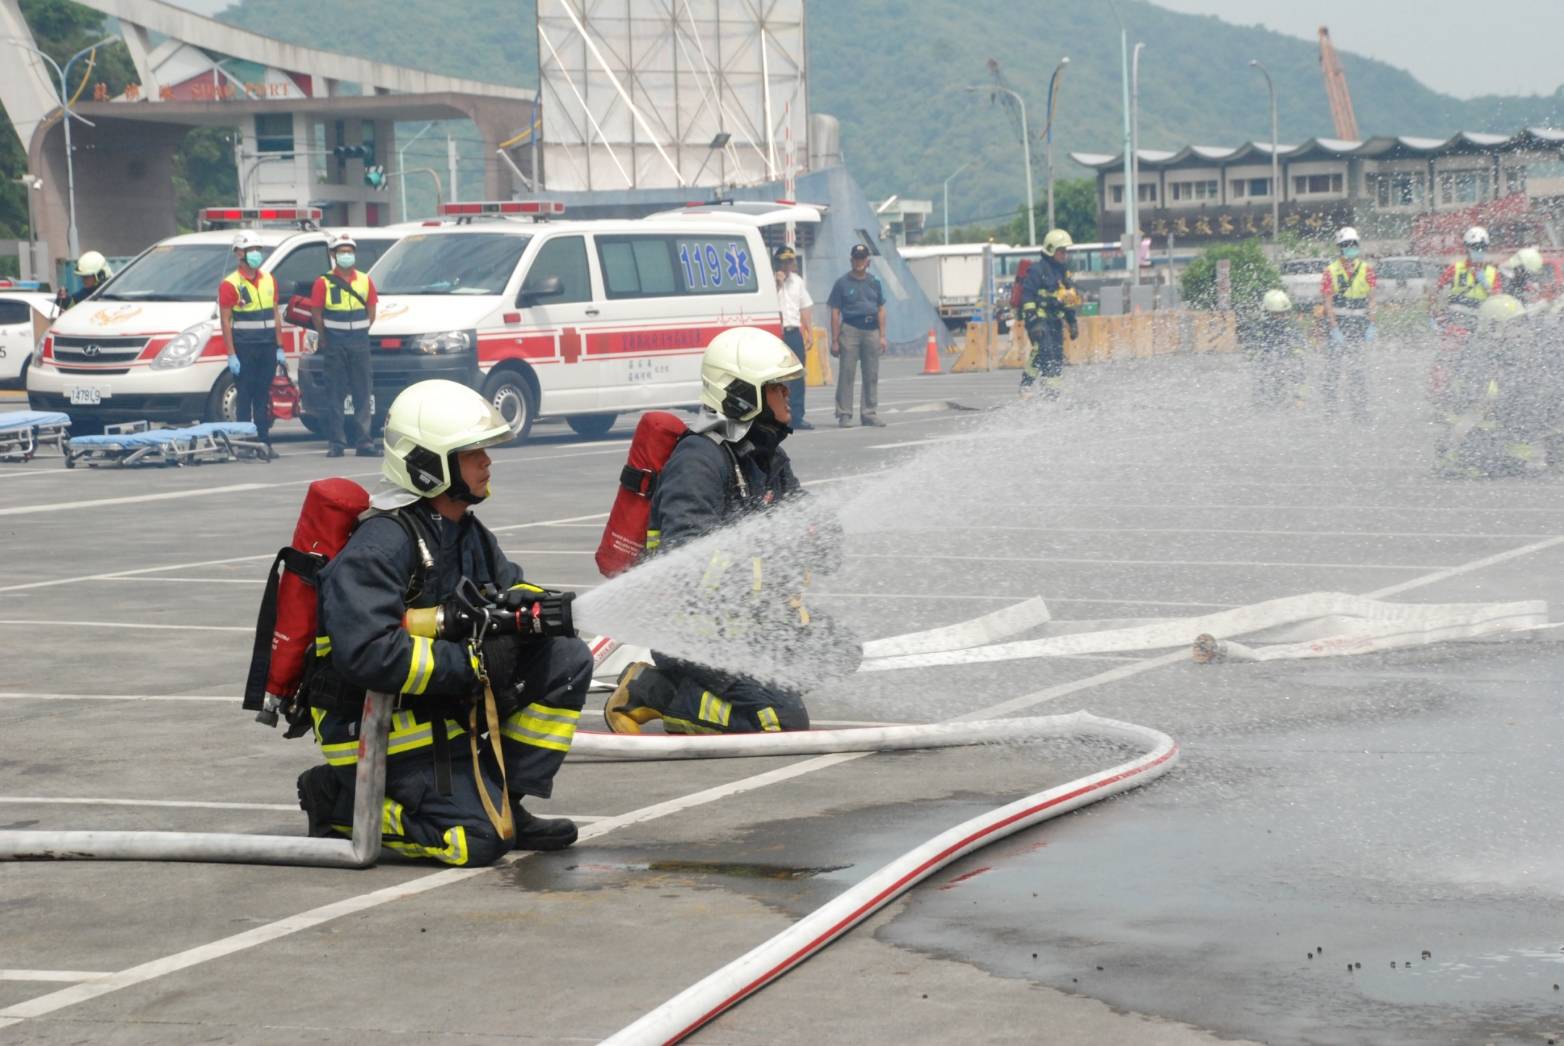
(1391, 810)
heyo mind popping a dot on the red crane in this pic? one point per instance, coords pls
(1336, 89)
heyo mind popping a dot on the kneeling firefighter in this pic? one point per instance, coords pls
(422, 603)
(1503, 396)
(1049, 301)
(731, 464)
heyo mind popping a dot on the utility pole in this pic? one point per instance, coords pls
(401, 162)
(450, 160)
(1276, 179)
(1026, 155)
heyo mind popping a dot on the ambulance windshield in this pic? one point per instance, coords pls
(173, 272)
(463, 263)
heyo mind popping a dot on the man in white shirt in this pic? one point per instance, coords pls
(796, 303)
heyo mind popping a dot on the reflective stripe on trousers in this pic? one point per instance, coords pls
(542, 726)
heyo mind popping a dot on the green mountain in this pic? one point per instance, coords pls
(891, 71)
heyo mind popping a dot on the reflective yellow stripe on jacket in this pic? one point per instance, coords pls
(1351, 292)
(542, 726)
(1469, 286)
(343, 312)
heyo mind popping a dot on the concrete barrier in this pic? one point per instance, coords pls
(1104, 339)
(817, 358)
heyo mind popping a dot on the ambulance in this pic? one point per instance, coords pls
(579, 320)
(148, 344)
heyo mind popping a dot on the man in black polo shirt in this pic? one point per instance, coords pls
(858, 336)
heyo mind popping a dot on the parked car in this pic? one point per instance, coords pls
(1402, 278)
(1301, 279)
(26, 310)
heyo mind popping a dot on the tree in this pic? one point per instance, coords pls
(1251, 275)
(1075, 211)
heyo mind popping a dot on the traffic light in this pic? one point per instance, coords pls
(353, 152)
(375, 177)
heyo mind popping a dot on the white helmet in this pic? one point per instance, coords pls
(92, 263)
(428, 425)
(339, 240)
(1528, 258)
(738, 364)
(246, 239)
(1277, 301)
(1347, 235)
(1476, 236)
(1055, 239)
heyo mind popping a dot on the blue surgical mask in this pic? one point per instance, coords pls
(254, 258)
(1349, 253)
(1477, 254)
(346, 260)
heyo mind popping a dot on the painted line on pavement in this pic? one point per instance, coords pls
(47, 976)
(190, 957)
(199, 492)
(1467, 535)
(189, 804)
(249, 630)
(43, 695)
(1466, 568)
(1148, 562)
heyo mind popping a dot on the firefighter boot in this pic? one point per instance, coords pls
(319, 789)
(622, 712)
(540, 833)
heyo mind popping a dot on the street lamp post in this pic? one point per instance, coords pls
(71, 246)
(953, 174)
(1026, 155)
(1276, 180)
(1048, 134)
(1133, 261)
(401, 163)
(1131, 230)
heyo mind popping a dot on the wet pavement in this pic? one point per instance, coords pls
(1387, 809)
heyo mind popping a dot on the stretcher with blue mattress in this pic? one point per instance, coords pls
(22, 432)
(135, 443)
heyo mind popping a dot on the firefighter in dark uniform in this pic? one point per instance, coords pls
(252, 330)
(1048, 303)
(393, 619)
(730, 465)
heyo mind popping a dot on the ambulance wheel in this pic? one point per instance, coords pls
(222, 403)
(512, 394)
(591, 426)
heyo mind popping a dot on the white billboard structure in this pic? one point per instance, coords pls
(643, 94)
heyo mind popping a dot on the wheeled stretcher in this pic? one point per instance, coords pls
(22, 432)
(134, 443)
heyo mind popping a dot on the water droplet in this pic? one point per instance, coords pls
(1427, 954)
(1311, 955)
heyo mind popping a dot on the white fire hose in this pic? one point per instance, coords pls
(695, 1006)
(360, 851)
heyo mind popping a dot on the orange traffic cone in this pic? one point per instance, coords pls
(931, 356)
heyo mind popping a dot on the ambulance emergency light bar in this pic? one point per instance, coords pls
(209, 216)
(537, 208)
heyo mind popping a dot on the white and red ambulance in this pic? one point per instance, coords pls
(148, 344)
(580, 320)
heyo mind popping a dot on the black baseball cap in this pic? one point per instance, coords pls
(860, 251)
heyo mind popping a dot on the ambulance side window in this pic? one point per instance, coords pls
(304, 264)
(565, 257)
(637, 266)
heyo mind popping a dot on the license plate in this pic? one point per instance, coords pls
(87, 395)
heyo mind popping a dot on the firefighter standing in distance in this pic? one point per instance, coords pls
(1347, 293)
(391, 620)
(729, 465)
(1276, 353)
(93, 268)
(1048, 303)
(252, 331)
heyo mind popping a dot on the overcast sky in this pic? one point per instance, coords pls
(1460, 47)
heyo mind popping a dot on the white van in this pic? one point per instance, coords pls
(148, 344)
(582, 320)
(25, 313)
